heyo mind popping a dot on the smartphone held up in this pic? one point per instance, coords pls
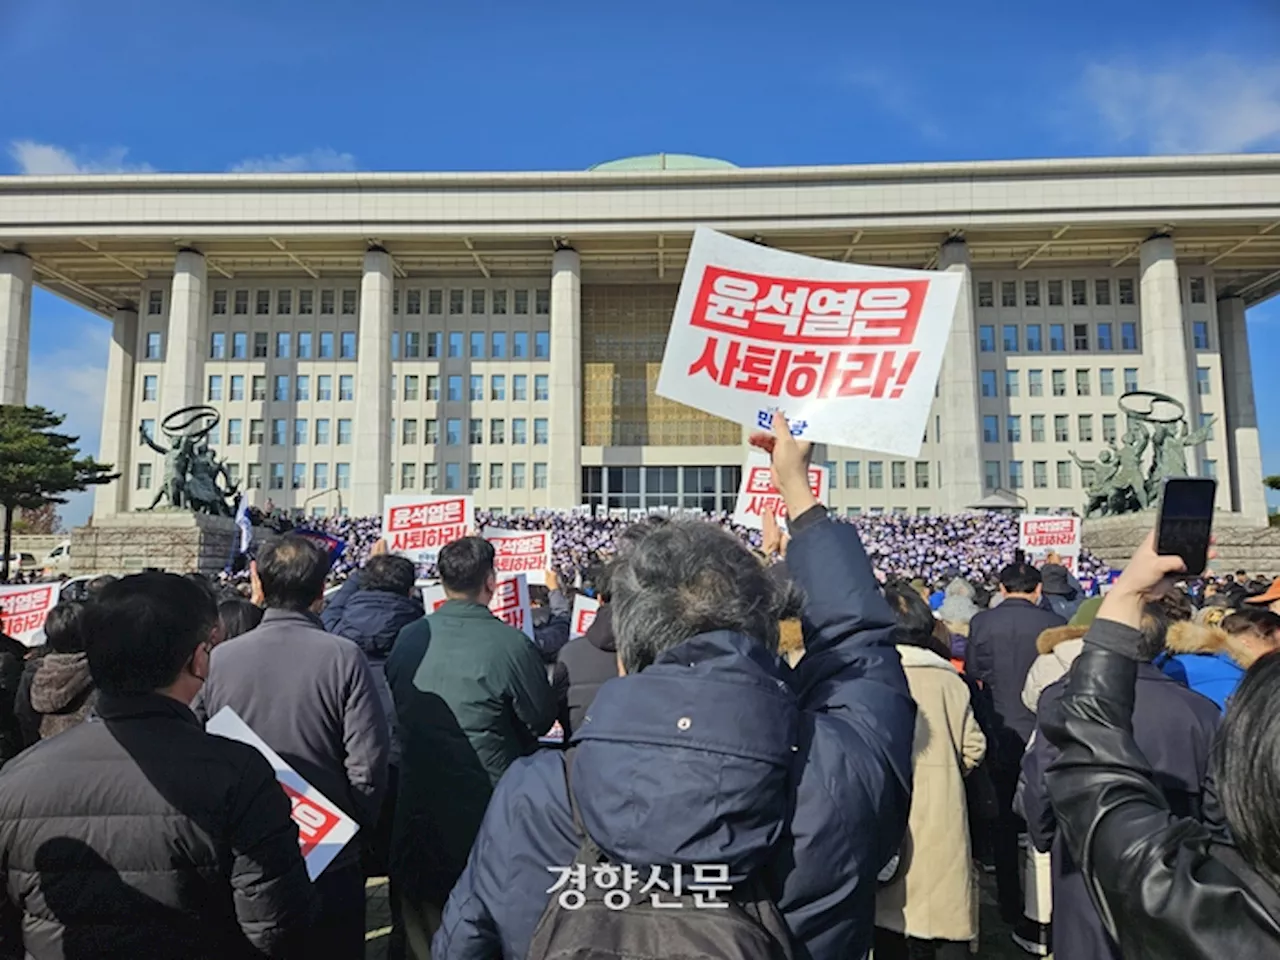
(1185, 522)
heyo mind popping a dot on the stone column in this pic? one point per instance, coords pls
(1248, 496)
(184, 349)
(371, 476)
(961, 447)
(1166, 359)
(564, 469)
(15, 326)
(119, 431)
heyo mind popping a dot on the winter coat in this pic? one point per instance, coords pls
(476, 700)
(28, 719)
(310, 695)
(551, 625)
(1208, 660)
(373, 619)
(1000, 652)
(934, 895)
(721, 753)
(1166, 885)
(136, 834)
(586, 664)
(12, 660)
(62, 692)
(1058, 649)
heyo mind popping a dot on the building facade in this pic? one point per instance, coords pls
(502, 334)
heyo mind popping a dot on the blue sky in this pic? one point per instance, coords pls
(417, 85)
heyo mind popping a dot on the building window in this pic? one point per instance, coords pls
(430, 432)
(1102, 292)
(477, 302)
(153, 348)
(1130, 379)
(155, 303)
(542, 302)
(495, 476)
(1040, 474)
(520, 345)
(497, 431)
(258, 388)
(922, 475)
(343, 473)
(991, 474)
(1061, 428)
(434, 339)
(349, 303)
(347, 345)
(430, 477)
(539, 430)
(1055, 293)
(539, 476)
(239, 345)
(477, 345)
(1206, 424)
(262, 302)
(1031, 293)
(1128, 336)
(144, 476)
(1035, 383)
(275, 478)
(898, 474)
(1084, 424)
(476, 385)
(304, 345)
(989, 383)
(453, 432)
(299, 478)
(280, 389)
(413, 303)
(1013, 428)
(326, 345)
(1059, 383)
(150, 386)
(1197, 285)
(453, 388)
(521, 302)
(1107, 382)
(1203, 386)
(499, 302)
(1080, 336)
(875, 474)
(215, 387)
(218, 345)
(517, 476)
(1104, 336)
(346, 387)
(324, 387)
(409, 433)
(302, 388)
(475, 431)
(1034, 342)
(1008, 293)
(498, 387)
(541, 387)
(412, 345)
(1209, 468)
(1011, 383)
(322, 431)
(320, 476)
(1057, 338)
(240, 303)
(455, 344)
(408, 472)
(457, 300)
(986, 296)
(285, 302)
(520, 387)
(853, 474)
(344, 431)
(1200, 335)
(498, 345)
(257, 432)
(260, 345)
(1108, 427)
(987, 339)
(990, 428)
(1037, 428)
(519, 430)
(1082, 383)
(1009, 333)
(542, 345)
(278, 432)
(326, 306)
(1064, 474)
(1015, 474)
(411, 388)
(452, 474)
(473, 476)
(235, 432)
(1079, 293)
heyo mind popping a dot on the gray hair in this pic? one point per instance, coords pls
(686, 578)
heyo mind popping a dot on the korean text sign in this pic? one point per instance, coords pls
(510, 602)
(850, 353)
(323, 829)
(23, 609)
(584, 614)
(756, 493)
(417, 527)
(521, 551)
(1039, 536)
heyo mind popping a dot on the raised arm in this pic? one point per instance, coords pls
(146, 438)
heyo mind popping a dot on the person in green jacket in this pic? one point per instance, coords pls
(474, 701)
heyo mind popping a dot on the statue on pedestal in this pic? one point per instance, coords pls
(192, 469)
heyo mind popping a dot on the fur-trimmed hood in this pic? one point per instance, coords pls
(1055, 635)
(1189, 637)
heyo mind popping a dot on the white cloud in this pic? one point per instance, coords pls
(71, 380)
(322, 159)
(37, 159)
(1206, 104)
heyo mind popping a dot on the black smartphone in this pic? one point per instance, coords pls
(1186, 521)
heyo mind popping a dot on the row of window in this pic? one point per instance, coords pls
(413, 383)
(1079, 291)
(319, 475)
(282, 302)
(408, 434)
(1085, 338)
(993, 474)
(1062, 428)
(989, 381)
(321, 348)
(708, 489)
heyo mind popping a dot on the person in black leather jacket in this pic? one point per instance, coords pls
(1166, 886)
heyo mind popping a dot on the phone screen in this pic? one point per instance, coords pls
(1186, 521)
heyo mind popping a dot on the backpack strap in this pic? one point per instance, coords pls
(589, 851)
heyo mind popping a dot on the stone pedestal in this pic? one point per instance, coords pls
(1241, 543)
(175, 541)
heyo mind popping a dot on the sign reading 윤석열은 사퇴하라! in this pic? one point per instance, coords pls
(416, 526)
(510, 602)
(756, 493)
(849, 353)
(585, 611)
(521, 551)
(23, 610)
(1040, 536)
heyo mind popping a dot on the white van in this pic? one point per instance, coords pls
(59, 559)
(26, 562)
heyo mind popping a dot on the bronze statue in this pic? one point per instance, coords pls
(191, 467)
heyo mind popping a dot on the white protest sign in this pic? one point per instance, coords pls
(510, 602)
(849, 353)
(23, 610)
(1039, 536)
(583, 616)
(323, 829)
(521, 551)
(756, 493)
(417, 526)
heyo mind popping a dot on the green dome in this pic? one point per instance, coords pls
(663, 161)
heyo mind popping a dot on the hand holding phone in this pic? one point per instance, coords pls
(1185, 523)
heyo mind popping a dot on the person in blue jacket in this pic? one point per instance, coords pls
(709, 749)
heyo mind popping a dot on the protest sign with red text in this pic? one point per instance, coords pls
(323, 829)
(23, 610)
(416, 526)
(583, 616)
(849, 353)
(1039, 536)
(756, 493)
(521, 551)
(510, 602)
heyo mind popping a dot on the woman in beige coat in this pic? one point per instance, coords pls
(930, 906)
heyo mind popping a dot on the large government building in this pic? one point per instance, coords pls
(501, 333)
